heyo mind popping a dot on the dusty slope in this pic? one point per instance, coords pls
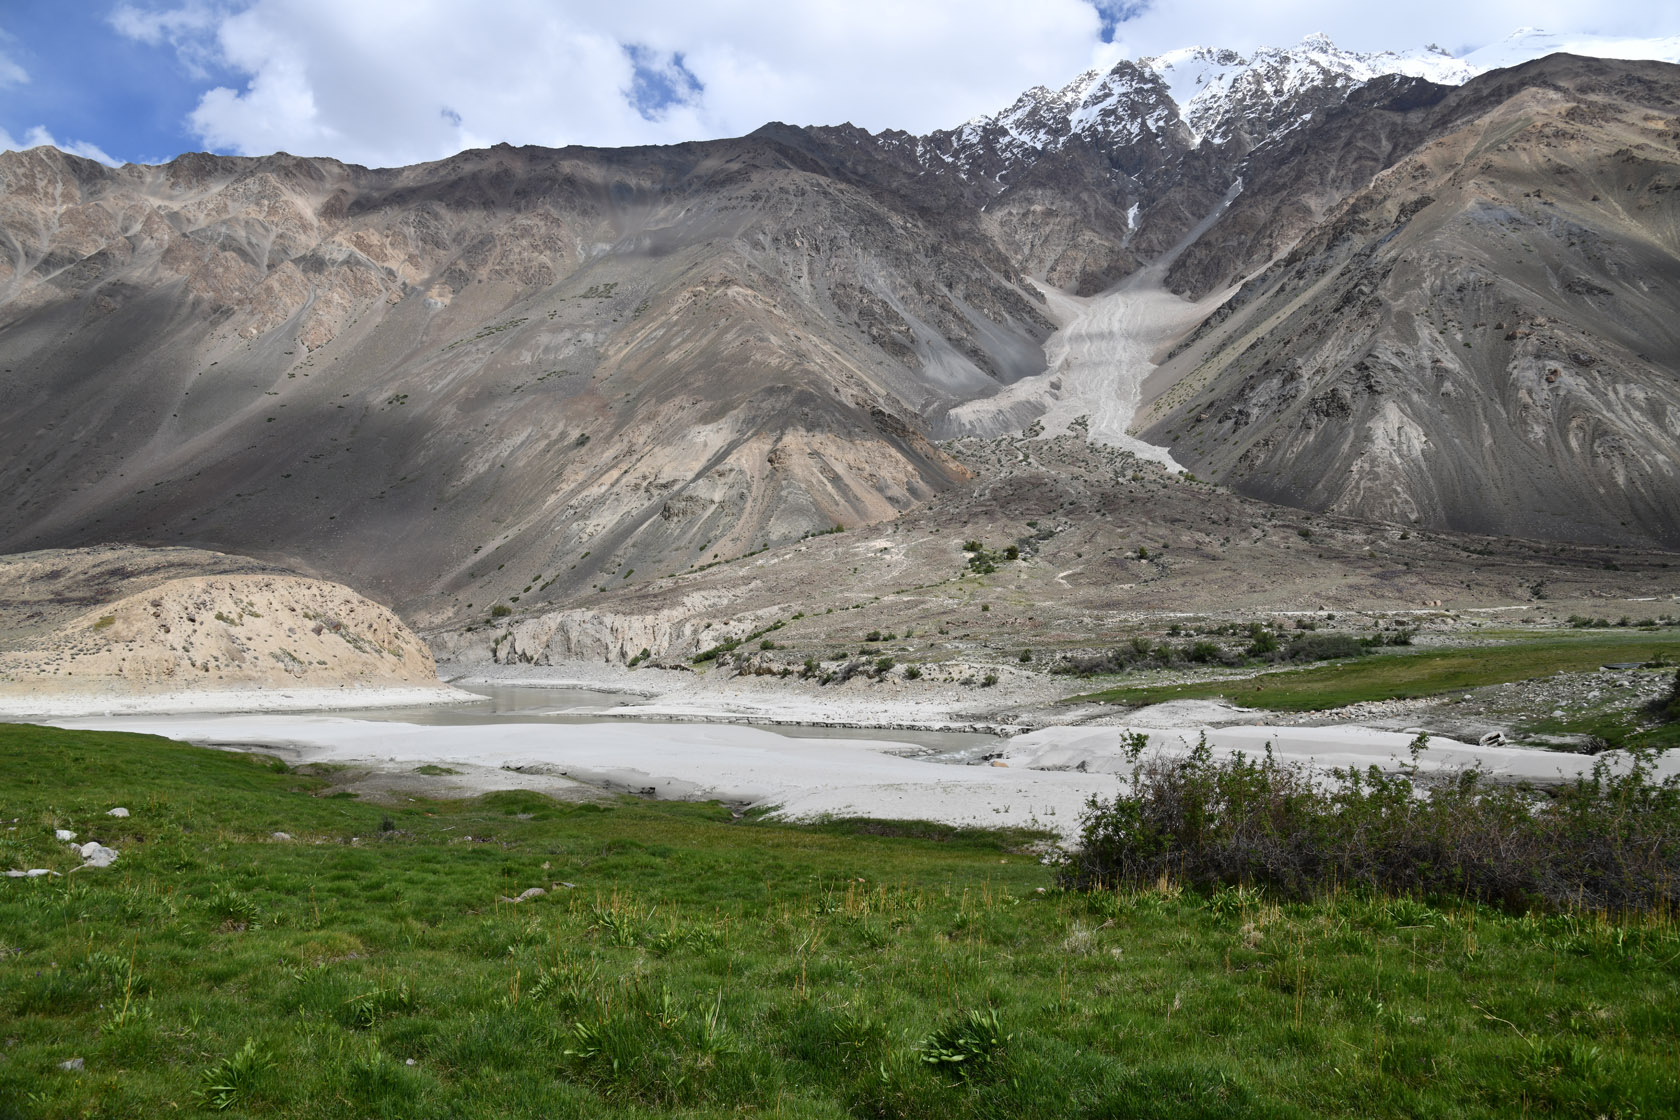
(1486, 336)
(412, 378)
(1111, 547)
(134, 622)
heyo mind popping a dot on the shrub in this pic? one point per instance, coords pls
(1667, 708)
(1261, 641)
(1323, 647)
(1609, 840)
(1203, 652)
(500, 610)
(1026, 656)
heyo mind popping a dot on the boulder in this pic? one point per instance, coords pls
(95, 854)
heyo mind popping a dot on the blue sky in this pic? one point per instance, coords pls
(90, 84)
(398, 81)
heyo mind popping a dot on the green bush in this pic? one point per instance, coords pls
(1667, 708)
(500, 610)
(1261, 641)
(1323, 647)
(1609, 840)
(1202, 652)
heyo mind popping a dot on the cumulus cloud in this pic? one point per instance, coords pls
(38, 136)
(387, 82)
(383, 82)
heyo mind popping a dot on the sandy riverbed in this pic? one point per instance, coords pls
(1042, 779)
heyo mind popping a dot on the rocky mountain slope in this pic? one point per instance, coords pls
(525, 376)
(560, 362)
(1481, 334)
(1083, 548)
(140, 621)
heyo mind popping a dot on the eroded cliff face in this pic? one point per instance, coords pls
(137, 621)
(1483, 335)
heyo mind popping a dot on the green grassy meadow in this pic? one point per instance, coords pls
(1394, 675)
(703, 966)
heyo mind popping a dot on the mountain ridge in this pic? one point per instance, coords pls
(529, 374)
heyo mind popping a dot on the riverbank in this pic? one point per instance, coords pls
(20, 705)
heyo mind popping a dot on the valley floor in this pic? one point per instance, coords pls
(1007, 758)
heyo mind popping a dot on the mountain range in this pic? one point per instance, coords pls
(1410, 288)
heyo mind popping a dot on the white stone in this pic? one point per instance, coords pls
(119, 811)
(63, 834)
(95, 854)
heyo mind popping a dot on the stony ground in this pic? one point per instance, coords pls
(1106, 548)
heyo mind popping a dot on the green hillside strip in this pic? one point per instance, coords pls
(704, 966)
(1391, 676)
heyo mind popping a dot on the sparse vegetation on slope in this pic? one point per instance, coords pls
(1423, 673)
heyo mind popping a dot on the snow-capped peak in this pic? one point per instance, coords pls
(1212, 86)
(1204, 94)
(1530, 43)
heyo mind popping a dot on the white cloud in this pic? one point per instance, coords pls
(1453, 24)
(387, 82)
(382, 81)
(11, 74)
(38, 136)
(188, 29)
